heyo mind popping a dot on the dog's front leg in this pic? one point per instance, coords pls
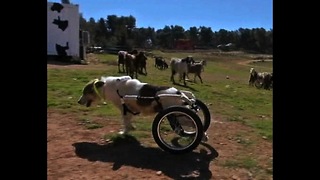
(127, 125)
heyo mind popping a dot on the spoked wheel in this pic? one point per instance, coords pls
(203, 112)
(177, 129)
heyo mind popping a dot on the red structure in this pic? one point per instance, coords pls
(183, 44)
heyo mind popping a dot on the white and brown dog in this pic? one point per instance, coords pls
(132, 97)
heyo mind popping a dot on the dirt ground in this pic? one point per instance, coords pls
(75, 152)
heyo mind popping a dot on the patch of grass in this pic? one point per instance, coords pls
(140, 134)
(264, 127)
(144, 123)
(243, 162)
(90, 125)
(109, 59)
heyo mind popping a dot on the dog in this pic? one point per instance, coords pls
(132, 97)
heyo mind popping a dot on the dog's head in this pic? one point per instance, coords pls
(90, 92)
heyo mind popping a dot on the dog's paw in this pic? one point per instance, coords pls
(127, 129)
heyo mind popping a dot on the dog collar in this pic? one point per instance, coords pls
(96, 90)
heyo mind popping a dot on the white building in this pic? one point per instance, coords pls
(63, 28)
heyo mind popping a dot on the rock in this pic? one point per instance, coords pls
(234, 177)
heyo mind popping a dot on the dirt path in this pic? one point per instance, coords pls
(251, 62)
(75, 152)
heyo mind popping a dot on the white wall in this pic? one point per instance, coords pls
(55, 35)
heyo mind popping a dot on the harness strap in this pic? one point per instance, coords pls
(159, 104)
(97, 92)
(125, 107)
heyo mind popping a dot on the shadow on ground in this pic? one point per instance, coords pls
(62, 63)
(61, 60)
(186, 86)
(130, 152)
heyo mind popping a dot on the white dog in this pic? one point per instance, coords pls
(132, 96)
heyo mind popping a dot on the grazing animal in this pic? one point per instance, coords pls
(160, 63)
(180, 66)
(142, 63)
(203, 62)
(196, 69)
(135, 64)
(268, 80)
(117, 88)
(253, 76)
(130, 65)
(122, 59)
(260, 79)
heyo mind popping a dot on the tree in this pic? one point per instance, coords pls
(164, 37)
(100, 32)
(222, 36)
(261, 39)
(193, 34)
(177, 32)
(121, 28)
(246, 39)
(123, 31)
(111, 22)
(143, 37)
(83, 23)
(269, 43)
(206, 35)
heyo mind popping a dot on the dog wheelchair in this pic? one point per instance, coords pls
(177, 129)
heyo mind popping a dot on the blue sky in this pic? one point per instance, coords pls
(217, 14)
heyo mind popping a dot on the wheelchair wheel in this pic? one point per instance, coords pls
(204, 114)
(177, 129)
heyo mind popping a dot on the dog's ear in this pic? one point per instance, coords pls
(99, 84)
